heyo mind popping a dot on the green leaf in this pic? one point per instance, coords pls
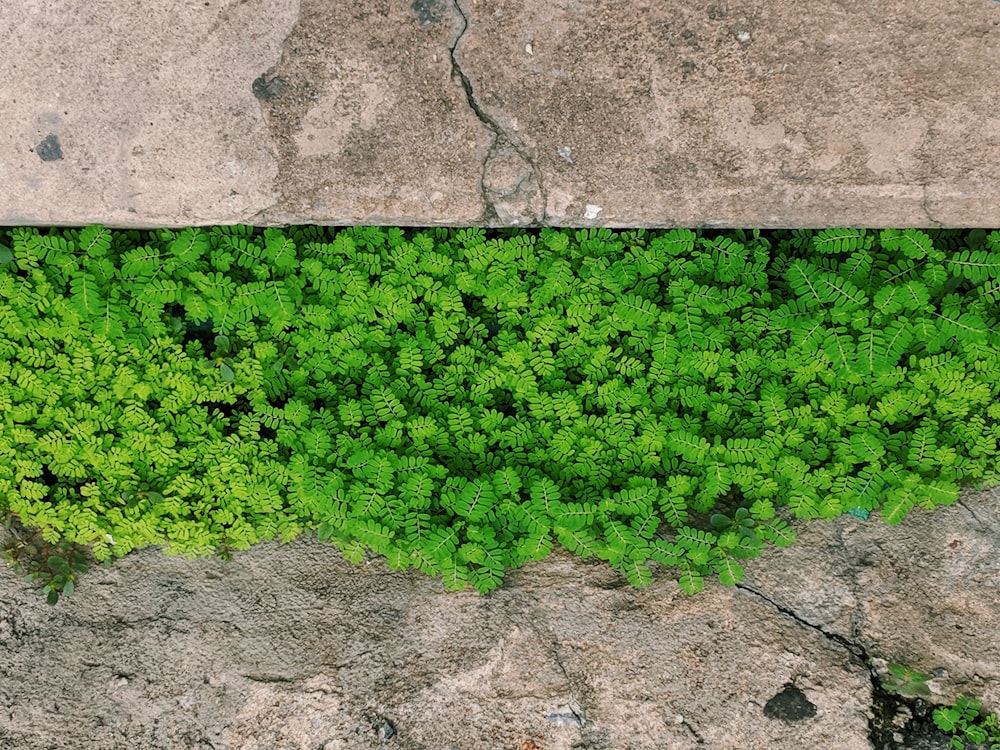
(534, 547)
(95, 241)
(976, 735)
(730, 572)
(455, 577)
(691, 582)
(975, 265)
(719, 521)
(898, 504)
(487, 579)
(580, 541)
(803, 277)
(778, 532)
(86, 297)
(840, 240)
(946, 719)
(638, 573)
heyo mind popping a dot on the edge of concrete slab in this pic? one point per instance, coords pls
(487, 113)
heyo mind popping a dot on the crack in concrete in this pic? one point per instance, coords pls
(503, 142)
(260, 216)
(857, 614)
(548, 637)
(268, 678)
(693, 732)
(855, 649)
(926, 208)
(859, 655)
(972, 513)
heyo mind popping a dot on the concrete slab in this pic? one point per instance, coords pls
(289, 647)
(500, 112)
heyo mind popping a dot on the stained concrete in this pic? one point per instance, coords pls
(288, 647)
(500, 112)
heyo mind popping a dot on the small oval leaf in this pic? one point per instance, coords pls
(719, 521)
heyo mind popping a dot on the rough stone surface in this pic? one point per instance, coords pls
(288, 646)
(925, 594)
(136, 114)
(501, 112)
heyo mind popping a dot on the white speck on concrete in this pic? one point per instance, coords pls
(743, 36)
(566, 153)
(591, 211)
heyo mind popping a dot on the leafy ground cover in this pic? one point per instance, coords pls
(460, 402)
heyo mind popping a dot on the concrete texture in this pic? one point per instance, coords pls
(500, 112)
(288, 647)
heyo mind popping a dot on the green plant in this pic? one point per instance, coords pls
(460, 403)
(905, 681)
(968, 723)
(54, 567)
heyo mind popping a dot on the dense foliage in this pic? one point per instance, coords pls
(460, 403)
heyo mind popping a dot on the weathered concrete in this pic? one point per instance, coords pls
(573, 112)
(288, 647)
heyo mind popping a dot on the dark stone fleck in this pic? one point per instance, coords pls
(384, 729)
(268, 90)
(790, 705)
(428, 11)
(49, 149)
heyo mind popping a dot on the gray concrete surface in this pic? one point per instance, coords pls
(288, 647)
(563, 112)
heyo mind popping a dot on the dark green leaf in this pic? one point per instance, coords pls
(719, 522)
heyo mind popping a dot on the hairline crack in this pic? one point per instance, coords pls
(500, 135)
